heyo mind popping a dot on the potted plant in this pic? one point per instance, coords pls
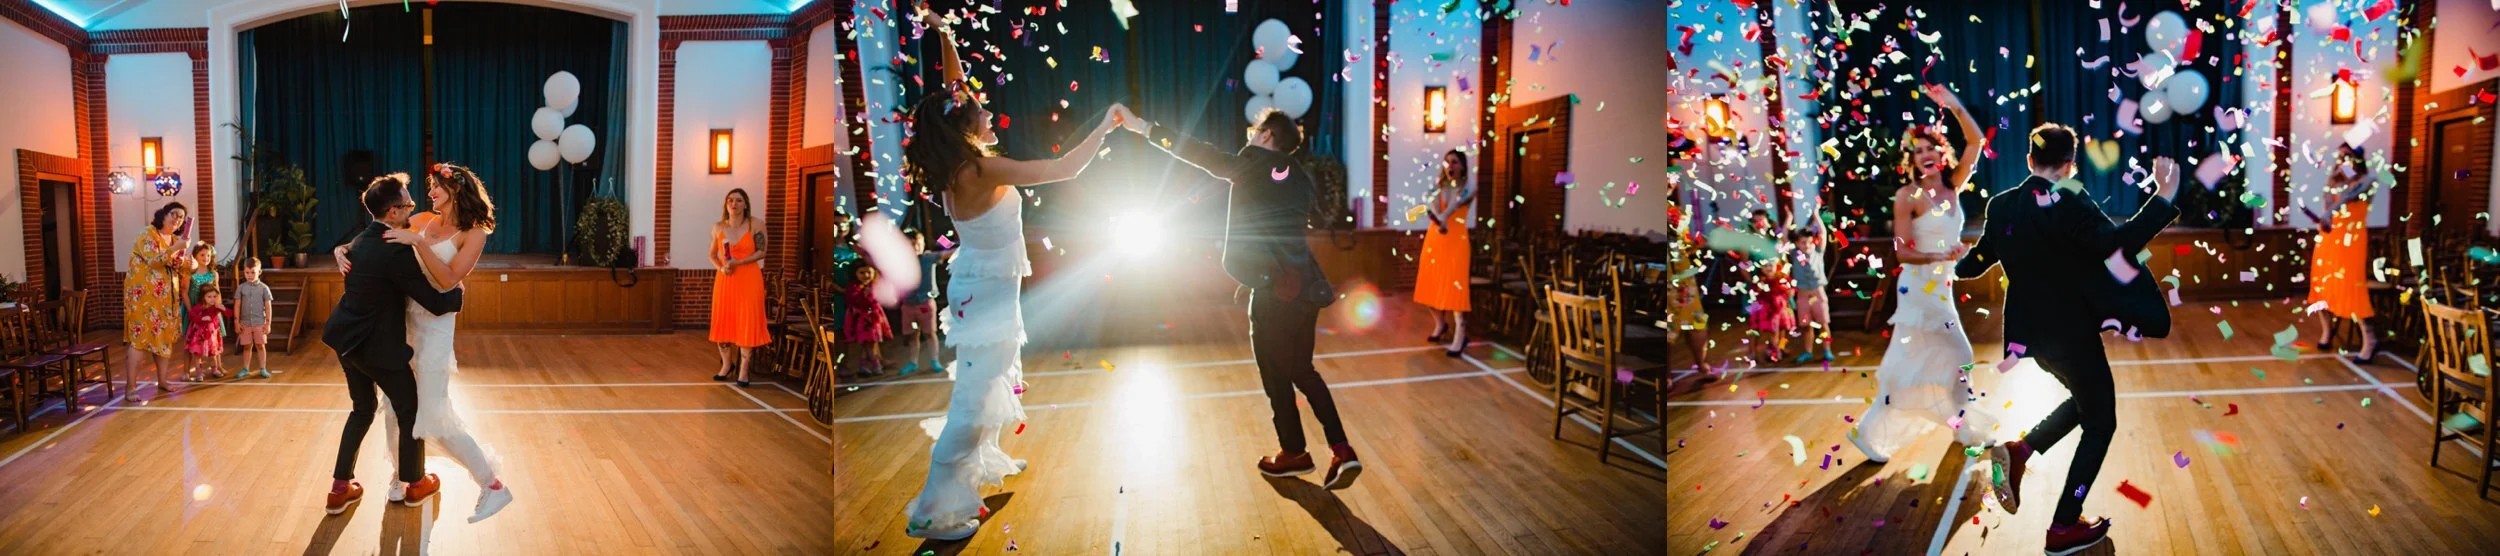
(286, 202)
(8, 290)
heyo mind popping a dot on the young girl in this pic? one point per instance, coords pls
(863, 325)
(1805, 263)
(919, 308)
(1771, 314)
(206, 340)
(203, 282)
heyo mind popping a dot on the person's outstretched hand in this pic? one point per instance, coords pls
(1944, 97)
(2166, 178)
(927, 16)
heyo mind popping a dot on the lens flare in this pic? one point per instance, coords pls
(1360, 309)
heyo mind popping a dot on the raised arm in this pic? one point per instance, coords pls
(1198, 153)
(2082, 223)
(951, 65)
(1984, 255)
(1007, 172)
(1975, 142)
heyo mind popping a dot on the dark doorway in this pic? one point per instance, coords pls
(824, 199)
(60, 237)
(2451, 193)
(1534, 167)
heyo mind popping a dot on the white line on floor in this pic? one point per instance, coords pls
(467, 385)
(1952, 508)
(1207, 395)
(1119, 519)
(470, 412)
(2125, 395)
(2114, 363)
(1524, 389)
(1074, 372)
(56, 433)
(810, 430)
(2402, 399)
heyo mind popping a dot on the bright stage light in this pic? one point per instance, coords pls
(1139, 234)
(1359, 311)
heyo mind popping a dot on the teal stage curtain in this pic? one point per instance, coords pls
(321, 102)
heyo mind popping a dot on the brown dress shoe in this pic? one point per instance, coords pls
(1342, 468)
(340, 499)
(418, 491)
(2073, 537)
(1286, 465)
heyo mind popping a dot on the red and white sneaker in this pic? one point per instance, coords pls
(340, 499)
(1286, 465)
(1342, 468)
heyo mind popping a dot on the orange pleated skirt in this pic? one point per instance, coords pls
(1441, 270)
(2339, 272)
(738, 302)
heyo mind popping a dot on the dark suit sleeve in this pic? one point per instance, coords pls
(1199, 153)
(2083, 224)
(411, 279)
(1984, 255)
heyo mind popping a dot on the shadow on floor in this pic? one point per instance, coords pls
(996, 503)
(1808, 525)
(1350, 531)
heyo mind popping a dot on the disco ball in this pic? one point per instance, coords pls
(120, 183)
(167, 183)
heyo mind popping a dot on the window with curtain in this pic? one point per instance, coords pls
(349, 110)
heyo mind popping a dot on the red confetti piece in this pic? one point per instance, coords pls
(1019, 428)
(1002, 121)
(2142, 499)
(2235, 410)
(2180, 249)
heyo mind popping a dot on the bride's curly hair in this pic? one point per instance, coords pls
(473, 208)
(941, 142)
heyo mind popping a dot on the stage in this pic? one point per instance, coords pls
(528, 294)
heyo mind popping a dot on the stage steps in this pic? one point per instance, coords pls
(286, 309)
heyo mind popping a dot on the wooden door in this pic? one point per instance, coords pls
(60, 237)
(1535, 163)
(824, 200)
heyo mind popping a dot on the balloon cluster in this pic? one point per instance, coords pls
(1278, 48)
(2168, 87)
(572, 143)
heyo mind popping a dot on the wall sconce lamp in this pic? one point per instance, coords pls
(2344, 102)
(1716, 118)
(151, 155)
(720, 151)
(1436, 109)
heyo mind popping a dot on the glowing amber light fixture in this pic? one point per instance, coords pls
(1714, 111)
(2344, 102)
(720, 151)
(1436, 109)
(151, 155)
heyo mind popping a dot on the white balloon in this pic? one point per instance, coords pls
(1260, 77)
(2322, 17)
(2165, 31)
(547, 123)
(563, 90)
(2154, 108)
(543, 154)
(2186, 91)
(1274, 42)
(576, 143)
(2154, 68)
(1258, 103)
(1293, 95)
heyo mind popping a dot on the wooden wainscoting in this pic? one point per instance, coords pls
(536, 301)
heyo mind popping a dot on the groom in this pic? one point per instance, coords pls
(369, 330)
(1268, 206)
(2053, 241)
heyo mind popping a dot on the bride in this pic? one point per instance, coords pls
(1922, 380)
(950, 152)
(449, 242)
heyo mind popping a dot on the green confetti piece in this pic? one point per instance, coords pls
(2481, 366)
(1575, 99)
(2226, 330)
(2365, 401)
(1970, 452)
(1708, 547)
(2261, 373)
(1918, 472)
(2286, 354)
(2286, 337)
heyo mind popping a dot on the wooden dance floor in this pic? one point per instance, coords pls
(1154, 454)
(613, 445)
(2321, 457)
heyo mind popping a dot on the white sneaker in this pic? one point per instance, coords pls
(490, 501)
(957, 532)
(399, 490)
(1860, 441)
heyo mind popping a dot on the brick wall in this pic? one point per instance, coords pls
(1378, 203)
(662, 190)
(694, 299)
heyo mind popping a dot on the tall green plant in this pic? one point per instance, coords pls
(287, 201)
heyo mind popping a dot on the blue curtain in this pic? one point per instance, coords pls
(2075, 93)
(1862, 101)
(320, 102)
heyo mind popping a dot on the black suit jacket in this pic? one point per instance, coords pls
(370, 321)
(2055, 246)
(1264, 247)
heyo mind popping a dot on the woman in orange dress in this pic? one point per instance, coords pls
(738, 290)
(1441, 272)
(2339, 268)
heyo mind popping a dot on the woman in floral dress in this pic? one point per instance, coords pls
(152, 294)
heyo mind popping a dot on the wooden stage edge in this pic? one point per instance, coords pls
(524, 299)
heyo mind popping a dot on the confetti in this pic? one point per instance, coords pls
(2179, 458)
(2121, 269)
(2145, 499)
(1019, 428)
(1798, 448)
(2235, 410)
(2374, 510)
(1918, 472)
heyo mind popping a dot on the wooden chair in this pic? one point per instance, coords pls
(1539, 323)
(2457, 337)
(820, 365)
(1587, 337)
(22, 353)
(55, 331)
(13, 381)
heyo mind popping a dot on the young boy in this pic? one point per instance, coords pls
(252, 303)
(919, 308)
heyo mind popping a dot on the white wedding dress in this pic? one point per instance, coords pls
(438, 421)
(984, 322)
(1920, 382)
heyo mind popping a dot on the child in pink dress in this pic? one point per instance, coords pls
(207, 341)
(863, 326)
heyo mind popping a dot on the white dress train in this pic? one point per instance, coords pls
(984, 322)
(438, 421)
(1921, 382)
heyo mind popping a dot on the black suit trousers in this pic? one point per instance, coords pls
(401, 385)
(1281, 340)
(2093, 406)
